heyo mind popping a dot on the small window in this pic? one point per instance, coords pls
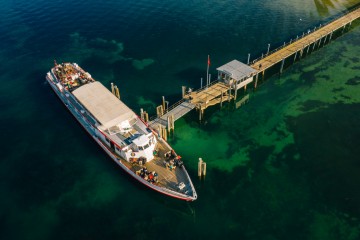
(146, 146)
(141, 148)
(117, 149)
(107, 140)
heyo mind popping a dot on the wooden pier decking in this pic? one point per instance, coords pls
(299, 46)
(209, 96)
(177, 110)
(220, 90)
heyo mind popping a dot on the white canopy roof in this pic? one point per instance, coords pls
(102, 104)
(237, 70)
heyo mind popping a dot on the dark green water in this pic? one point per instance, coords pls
(284, 166)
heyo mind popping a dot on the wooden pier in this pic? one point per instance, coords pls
(236, 75)
(175, 112)
(303, 44)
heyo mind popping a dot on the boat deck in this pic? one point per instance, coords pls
(166, 178)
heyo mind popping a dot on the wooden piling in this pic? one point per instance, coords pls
(142, 114)
(163, 104)
(171, 123)
(183, 88)
(235, 94)
(200, 167)
(282, 65)
(301, 53)
(159, 111)
(229, 95)
(256, 80)
(112, 88)
(117, 93)
(164, 134)
(307, 51)
(314, 45)
(325, 39)
(221, 99)
(146, 117)
(295, 56)
(320, 41)
(159, 128)
(203, 169)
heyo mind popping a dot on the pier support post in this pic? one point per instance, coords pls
(164, 133)
(146, 116)
(282, 65)
(163, 103)
(171, 123)
(331, 35)
(320, 41)
(256, 79)
(295, 56)
(201, 83)
(248, 59)
(142, 114)
(112, 88)
(229, 96)
(325, 39)
(314, 45)
(201, 112)
(221, 99)
(263, 75)
(200, 167)
(183, 88)
(159, 111)
(307, 51)
(301, 53)
(117, 93)
(204, 169)
(235, 94)
(159, 128)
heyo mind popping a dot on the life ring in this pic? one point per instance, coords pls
(132, 154)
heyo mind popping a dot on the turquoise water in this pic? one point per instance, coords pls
(284, 166)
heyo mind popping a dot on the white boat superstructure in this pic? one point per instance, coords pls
(120, 132)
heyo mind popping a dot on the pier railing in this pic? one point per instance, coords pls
(152, 118)
(304, 34)
(173, 106)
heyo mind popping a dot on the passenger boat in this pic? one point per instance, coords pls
(124, 136)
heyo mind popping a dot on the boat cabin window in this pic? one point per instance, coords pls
(141, 148)
(146, 146)
(107, 140)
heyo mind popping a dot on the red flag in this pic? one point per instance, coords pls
(208, 60)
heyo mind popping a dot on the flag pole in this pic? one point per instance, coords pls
(207, 72)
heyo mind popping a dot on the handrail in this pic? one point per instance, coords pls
(305, 34)
(152, 118)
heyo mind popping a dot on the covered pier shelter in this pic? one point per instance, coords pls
(236, 74)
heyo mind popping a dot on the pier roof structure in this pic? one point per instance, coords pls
(237, 70)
